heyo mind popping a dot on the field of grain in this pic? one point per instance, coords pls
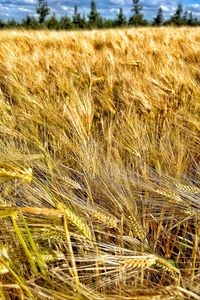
(99, 164)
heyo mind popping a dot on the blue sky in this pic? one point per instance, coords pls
(108, 8)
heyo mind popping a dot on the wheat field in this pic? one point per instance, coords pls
(99, 164)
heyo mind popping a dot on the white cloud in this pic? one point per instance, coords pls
(194, 7)
(65, 8)
(121, 2)
(30, 1)
(23, 9)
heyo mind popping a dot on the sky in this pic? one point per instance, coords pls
(18, 9)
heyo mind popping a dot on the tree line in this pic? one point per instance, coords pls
(94, 20)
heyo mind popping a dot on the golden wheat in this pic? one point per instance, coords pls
(139, 262)
(12, 172)
(105, 126)
(188, 188)
(173, 197)
(104, 218)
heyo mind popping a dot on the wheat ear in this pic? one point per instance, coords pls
(76, 220)
(3, 254)
(60, 212)
(137, 228)
(15, 173)
(188, 188)
(165, 265)
(139, 262)
(172, 197)
(107, 220)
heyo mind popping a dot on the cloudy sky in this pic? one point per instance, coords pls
(108, 8)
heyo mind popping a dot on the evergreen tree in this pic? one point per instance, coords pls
(75, 16)
(158, 20)
(42, 10)
(108, 23)
(120, 19)
(191, 21)
(137, 18)
(95, 20)
(66, 23)
(2, 24)
(84, 22)
(30, 22)
(78, 21)
(12, 23)
(177, 19)
(53, 23)
(185, 17)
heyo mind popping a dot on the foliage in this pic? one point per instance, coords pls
(94, 18)
(159, 19)
(137, 19)
(52, 23)
(191, 21)
(29, 23)
(12, 23)
(77, 20)
(120, 19)
(42, 10)
(2, 24)
(66, 23)
(182, 18)
(177, 18)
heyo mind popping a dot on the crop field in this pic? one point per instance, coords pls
(100, 164)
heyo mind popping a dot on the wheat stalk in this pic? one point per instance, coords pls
(137, 228)
(139, 262)
(76, 220)
(172, 291)
(9, 173)
(165, 265)
(172, 197)
(3, 269)
(62, 210)
(4, 254)
(168, 292)
(188, 188)
(107, 220)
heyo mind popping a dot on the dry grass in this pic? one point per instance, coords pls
(99, 164)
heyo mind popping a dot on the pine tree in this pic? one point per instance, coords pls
(95, 20)
(66, 23)
(2, 24)
(30, 22)
(177, 18)
(77, 20)
(42, 10)
(75, 16)
(158, 20)
(185, 17)
(108, 23)
(53, 23)
(191, 21)
(12, 23)
(83, 22)
(137, 18)
(120, 19)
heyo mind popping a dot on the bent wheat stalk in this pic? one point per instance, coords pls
(11, 172)
(108, 220)
(71, 216)
(137, 229)
(172, 197)
(139, 262)
(188, 188)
